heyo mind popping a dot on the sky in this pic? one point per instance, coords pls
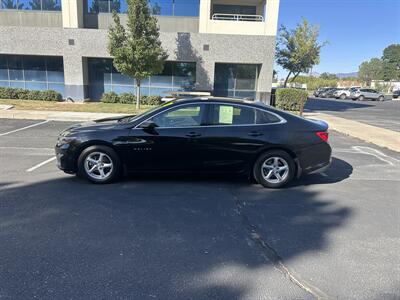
(357, 30)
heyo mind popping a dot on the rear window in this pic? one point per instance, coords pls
(225, 114)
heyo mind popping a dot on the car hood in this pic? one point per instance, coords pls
(101, 124)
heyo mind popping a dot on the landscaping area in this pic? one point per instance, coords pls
(95, 107)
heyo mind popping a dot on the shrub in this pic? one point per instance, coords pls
(129, 98)
(291, 99)
(110, 97)
(17, 93)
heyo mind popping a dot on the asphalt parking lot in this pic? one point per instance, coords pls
(334, 235)
(384, 114)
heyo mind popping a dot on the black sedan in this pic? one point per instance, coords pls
(198, 135)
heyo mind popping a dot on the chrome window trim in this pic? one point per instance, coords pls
(282, 120)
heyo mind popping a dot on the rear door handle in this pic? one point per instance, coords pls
(193, 134)
(255, 133)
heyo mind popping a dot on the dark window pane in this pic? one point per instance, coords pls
(4, 83)
(263, 117)
(17, 84)
(36, 86)
(115, 5)
(35, 69)
(3, 68)
(54, 5)
(159, 81)
(55, 69)
(119, 89)
(24, 4)
(8, 4)
(15, 68)
(118, 78)
(233, 115)
(57, 87)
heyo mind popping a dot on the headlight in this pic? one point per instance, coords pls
(63, 140)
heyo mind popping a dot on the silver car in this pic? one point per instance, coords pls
(364, 94)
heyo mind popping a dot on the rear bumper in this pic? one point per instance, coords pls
(315, 159)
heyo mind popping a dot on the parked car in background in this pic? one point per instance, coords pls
(342, 93)
(329, 93)
(319, 91)
(364, 94)
(198, 135)
(396, 94)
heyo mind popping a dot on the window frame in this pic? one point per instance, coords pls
(207, 117)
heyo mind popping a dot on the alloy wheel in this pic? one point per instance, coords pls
(98, 165)
(275, 170)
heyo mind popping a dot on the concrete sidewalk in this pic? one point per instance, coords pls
(379, 136)
(372, 134)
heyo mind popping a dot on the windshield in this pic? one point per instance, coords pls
(151, 110)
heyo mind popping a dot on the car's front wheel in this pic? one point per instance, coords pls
(274, 169)
(343, 96)
(381, 98)
(99, 164)
(361, 98)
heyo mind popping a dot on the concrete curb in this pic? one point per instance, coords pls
(55, 115)
(379, 136)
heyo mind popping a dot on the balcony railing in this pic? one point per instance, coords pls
(237, 17)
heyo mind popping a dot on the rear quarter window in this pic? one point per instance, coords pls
(264, 117)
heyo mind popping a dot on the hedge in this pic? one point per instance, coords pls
(22, 94)
(128, 98)
(291, 99)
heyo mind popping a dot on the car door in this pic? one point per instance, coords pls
(374, 94)
(171, 143)
(234, 136)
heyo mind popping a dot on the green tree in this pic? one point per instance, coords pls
(156, 9)
(391, 62)
(328, 76)
(137, 50)
(298, 50)
(371, 70)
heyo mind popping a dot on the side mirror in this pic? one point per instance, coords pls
(148, 125)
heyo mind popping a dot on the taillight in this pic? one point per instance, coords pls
(323, 135)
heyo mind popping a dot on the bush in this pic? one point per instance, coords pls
(291, 99)
(16, 93)
(129, 98)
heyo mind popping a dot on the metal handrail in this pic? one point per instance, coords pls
(238, 17)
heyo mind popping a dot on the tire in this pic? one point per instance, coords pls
(270, 161)
(361, 98)
(343, 96)
(103, 161)
(381, 98)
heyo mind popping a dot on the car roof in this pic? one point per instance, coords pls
(221, 100)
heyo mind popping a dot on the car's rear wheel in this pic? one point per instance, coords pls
(343, 96)
(99, 164)
(381, 98)
(274, 169)
(361, 98)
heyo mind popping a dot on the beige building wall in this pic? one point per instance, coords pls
(72, 13)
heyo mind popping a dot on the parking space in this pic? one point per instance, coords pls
(384, 114)
(333, 235)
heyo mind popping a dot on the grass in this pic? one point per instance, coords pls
(95, 107)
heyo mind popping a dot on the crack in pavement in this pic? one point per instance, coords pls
(270, 254)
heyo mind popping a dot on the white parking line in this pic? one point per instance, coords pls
(23, 128)
(41, 164)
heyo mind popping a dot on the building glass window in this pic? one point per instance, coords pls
(157, 7)
(44, 5)
(32, 72)
(176, 76)
(236, 80)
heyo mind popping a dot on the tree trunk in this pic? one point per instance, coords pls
(295, 76)
(287, 78)
(138, 94)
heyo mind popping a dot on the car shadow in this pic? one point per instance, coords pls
(165, 236)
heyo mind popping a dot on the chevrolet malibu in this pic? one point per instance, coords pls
(198, 135)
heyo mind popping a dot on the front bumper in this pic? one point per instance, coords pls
(65, 160)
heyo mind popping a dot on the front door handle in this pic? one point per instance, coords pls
(193, 134)
(255, 133)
